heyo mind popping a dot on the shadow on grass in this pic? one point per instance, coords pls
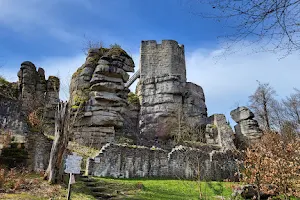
(216, 187)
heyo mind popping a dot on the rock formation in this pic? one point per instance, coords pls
(37, 92)
(247, 129)
(98, 96)
(218, 132)
(31, 93)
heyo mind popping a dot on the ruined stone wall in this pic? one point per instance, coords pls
(124, 161)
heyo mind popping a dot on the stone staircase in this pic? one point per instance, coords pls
(135, 76)
(98, 189)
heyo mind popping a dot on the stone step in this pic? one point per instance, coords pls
(91, 184)
(97, 189)
(103, 195)
(87, 180)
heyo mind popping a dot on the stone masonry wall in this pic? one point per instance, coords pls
(124, 161)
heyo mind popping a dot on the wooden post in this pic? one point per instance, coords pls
(69, 187)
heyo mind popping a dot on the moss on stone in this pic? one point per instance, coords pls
(117, 51)
(7, 89)
(133, 98)
(79, 100)
(93, 60)
(79, 70)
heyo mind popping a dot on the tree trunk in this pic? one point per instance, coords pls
(266, 113)
(60, 143)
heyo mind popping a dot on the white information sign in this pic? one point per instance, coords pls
(73, 163)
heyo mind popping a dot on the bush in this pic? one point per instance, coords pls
(12, 180)
(274, 161)
(133, 98)
(3, 81)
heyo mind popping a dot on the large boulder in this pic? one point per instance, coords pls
(241, 113)
(247, 130)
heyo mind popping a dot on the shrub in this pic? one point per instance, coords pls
(3, 81)
(274, 161)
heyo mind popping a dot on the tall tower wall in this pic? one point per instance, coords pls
(161, 87)
(165, 59)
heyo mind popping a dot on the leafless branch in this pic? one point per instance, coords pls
(275, 24)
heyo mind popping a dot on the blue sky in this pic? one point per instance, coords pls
(53, 33)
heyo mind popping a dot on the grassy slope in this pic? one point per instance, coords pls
(167, 189)
(134, 189)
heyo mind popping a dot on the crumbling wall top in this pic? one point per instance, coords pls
(164, 43)
(160, 60)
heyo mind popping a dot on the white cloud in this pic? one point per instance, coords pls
(228, 81)
(30, 16)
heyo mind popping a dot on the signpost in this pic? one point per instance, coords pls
(73, 163)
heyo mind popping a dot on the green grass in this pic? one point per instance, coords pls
(168, 189)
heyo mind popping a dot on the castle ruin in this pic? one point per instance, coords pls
(164, 132)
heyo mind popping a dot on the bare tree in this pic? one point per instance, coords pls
(278, 117)
(55, 170)
(275, 22)
(292, 107)
(262, 104)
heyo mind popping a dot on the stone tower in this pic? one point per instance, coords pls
(163, 89)
(162, 60)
